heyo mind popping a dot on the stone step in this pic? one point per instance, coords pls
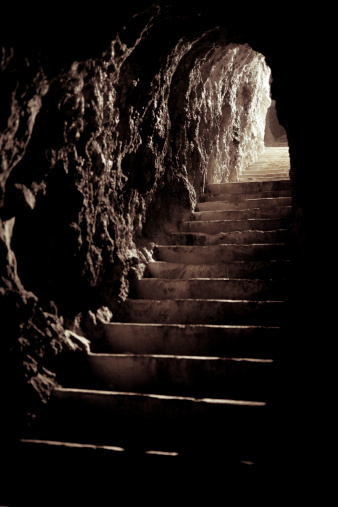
(140, 422)
(211, 288)
(201, 311)
(260, 203)
(131, 477)
(222, 254)
(259, 167)
(187, 376)
(271, 162)
(219, 226)
(248, 187)
(280, 166)
(238, 269)
(91, 475)
(237, 237)
(236, 196)
(243, 214)
(191, 339)
(276, 150)
(109, 454)
(246, 177)
(262, 168)
(276, 174)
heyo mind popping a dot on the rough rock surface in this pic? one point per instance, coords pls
(105, 144)
(227, 96)
(112, 144)
(275, 134)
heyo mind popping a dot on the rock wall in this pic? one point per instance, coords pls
(219, 128)
(275, 134)
(105, 142)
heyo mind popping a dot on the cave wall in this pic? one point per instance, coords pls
(275, 133)
(106, 140)
(219, 128)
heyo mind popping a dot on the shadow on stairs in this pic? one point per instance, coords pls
(181, 400)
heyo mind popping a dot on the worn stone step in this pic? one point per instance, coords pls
(106, 457)
(236, 237)
(214, 254)
(109, 471)
(235, 196)
(261, 168)
(188, 376)
(277, 173)
(201, 311)
(274, 171)
(248, 187)
(208, 288)
(237, 269)
(219, 226)
(244, 203)
(142, 422)
(246, 177)
(264, 165)
(191, 339)
(52, 473)
(243, 214)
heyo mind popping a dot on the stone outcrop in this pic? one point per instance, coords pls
(107, 141)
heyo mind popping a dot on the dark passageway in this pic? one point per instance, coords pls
(119, 129)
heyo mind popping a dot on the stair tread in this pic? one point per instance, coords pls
(142, 421)
(211, 280)
(192, 326)
(262, 203)
(242, 214)
(238, 237)
(206, 401)
(207, 300)
(257, 177)
(58, 443)
(219, 226)
(198, 339)
(212, 288)
(226, 252)
(212, 311)
(178, 357)
(234, 233)
(249, 195)
(251, 186)
(236, 269)
(181, 375)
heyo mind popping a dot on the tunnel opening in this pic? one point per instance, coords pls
(222, 112)
(117, 151)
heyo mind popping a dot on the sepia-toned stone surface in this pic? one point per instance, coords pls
(111, 126)
(227, 98)
(114, 149)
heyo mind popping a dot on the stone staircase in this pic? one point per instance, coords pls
(187, 371)
(273, 164)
